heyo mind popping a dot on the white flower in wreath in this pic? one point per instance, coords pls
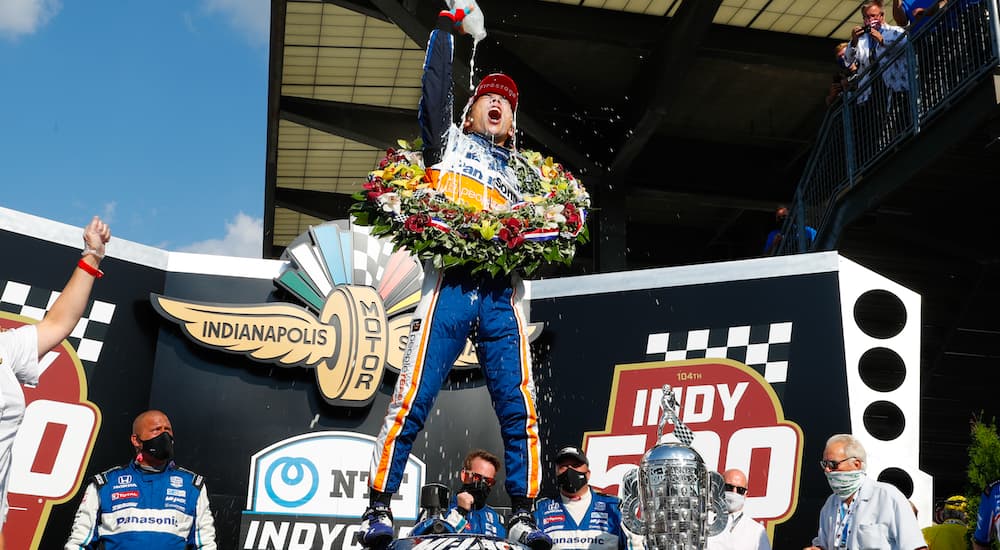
(415, 158)
(500, 208)
(390, 202)
(552, 214)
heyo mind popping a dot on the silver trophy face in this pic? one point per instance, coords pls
(674, 487)
(630, 502)
(718, 514)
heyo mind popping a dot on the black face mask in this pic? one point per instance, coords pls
(160, 447)
(479, 491)
(571, 481)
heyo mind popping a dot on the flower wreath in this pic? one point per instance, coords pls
(398, 201)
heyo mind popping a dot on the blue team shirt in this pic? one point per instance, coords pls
(988, 520)
(599, 529)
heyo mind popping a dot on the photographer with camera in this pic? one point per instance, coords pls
(882, 107)
(871, 39)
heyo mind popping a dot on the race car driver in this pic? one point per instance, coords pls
(475, 166)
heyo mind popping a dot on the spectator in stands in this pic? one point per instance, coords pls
(883, 107)
(933, 60)
(912, 14)
(949, 530)
(952, 50)
(845, 73)
(775, 236)
(870, 40)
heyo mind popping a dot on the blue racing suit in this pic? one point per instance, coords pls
(128, 507)
(484, 521)
(599, 529)
(455, 304)
(988, 519)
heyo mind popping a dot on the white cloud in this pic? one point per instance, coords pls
(108, 215)
(189, 22)
(244, 237)
(19, 17)
(252, 17)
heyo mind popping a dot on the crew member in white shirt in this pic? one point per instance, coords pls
(741, 532)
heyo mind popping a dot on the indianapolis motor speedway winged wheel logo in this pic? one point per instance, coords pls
(358, 296)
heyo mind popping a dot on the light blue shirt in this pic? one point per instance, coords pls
(882, 520)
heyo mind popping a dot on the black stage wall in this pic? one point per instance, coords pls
(767, 357)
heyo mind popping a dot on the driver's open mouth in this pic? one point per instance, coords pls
(494, 115)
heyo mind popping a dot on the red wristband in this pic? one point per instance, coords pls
(97, 273)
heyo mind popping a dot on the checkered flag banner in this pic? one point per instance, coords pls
(668, 404)
(371, 255)
(764, 347)
(87, 337)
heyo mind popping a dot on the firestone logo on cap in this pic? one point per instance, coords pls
(499, 83)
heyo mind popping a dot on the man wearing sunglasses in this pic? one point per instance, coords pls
(741, 532)
(862, 512)
(468, 512)
(580, 518)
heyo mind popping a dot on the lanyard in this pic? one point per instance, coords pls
(736, 519)
(843, 525)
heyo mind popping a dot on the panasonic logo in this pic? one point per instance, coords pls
(577, 540)
(145, 520)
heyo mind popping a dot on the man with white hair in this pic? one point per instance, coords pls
(861, 512)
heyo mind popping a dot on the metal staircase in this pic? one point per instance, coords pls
(875, 138)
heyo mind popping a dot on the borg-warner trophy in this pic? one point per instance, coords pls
(672, 498)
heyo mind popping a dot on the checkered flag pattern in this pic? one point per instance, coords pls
(762, 347)
(669, 408)
(370, 256)
(32, 302)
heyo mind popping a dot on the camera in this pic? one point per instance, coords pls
(867, 29)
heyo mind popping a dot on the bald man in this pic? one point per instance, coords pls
(151, 503)
(741, 532)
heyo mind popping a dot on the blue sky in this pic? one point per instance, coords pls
(151, 114)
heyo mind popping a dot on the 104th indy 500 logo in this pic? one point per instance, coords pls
(357, 296)
(737, 420)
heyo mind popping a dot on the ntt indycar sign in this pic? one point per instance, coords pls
(309, 491)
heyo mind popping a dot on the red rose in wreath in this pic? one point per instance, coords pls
(417, 222)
